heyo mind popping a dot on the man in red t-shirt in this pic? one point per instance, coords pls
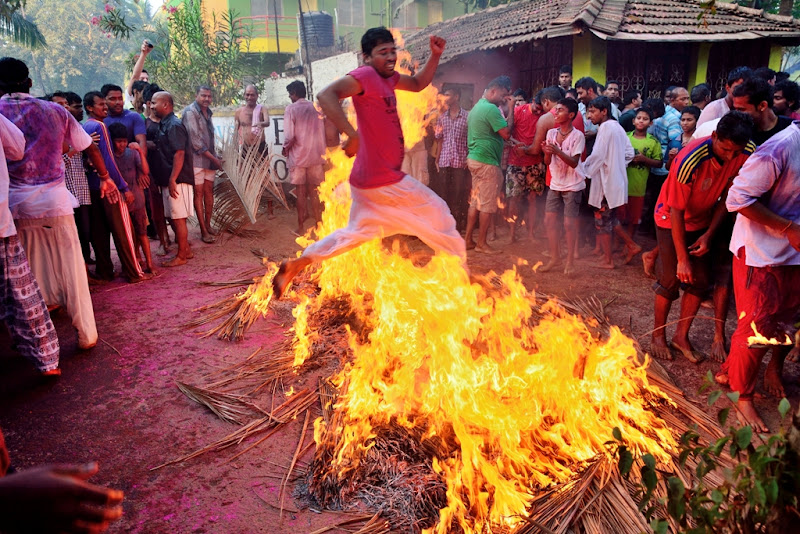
(687, 215)
(385, 200)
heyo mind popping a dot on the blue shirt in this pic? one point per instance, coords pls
(107, 151)
(131, 120)
(666, 128)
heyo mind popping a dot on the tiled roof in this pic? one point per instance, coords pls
(643, 20)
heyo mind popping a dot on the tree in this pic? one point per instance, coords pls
(19, 29)
(190, 52)
(79, 56)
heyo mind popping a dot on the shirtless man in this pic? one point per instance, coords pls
(250, 133)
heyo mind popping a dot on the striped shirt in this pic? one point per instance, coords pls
(453, 133)
(697, 181)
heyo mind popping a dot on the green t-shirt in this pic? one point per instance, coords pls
(483, 141)
(637, 174)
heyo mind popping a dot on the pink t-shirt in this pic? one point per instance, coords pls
(380, 152)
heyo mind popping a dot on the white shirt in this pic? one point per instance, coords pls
(303, 125)
(562, 176)
(12, 147)
(606, 165)
(715, 109)
(706, 129)
(770, 176)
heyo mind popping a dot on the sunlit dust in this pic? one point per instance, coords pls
(529, 398)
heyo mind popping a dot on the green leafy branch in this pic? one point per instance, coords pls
(759, 493)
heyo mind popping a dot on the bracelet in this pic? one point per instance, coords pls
(104, 177)
(789, 225)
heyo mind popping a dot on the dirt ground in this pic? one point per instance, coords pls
(118, 403)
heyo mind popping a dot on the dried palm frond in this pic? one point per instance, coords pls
(230, 408)
(247, 173)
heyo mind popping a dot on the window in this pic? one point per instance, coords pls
(351, 12)
(434, 11)
(266, 7)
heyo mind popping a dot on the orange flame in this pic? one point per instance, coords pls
(760, 339)
(527, 398)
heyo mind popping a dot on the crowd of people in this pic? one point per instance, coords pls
(713, 180)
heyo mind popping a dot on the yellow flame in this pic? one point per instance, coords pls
(527, 398)
(760, 339)
(537, 265)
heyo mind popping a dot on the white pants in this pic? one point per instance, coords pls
(54, 253)
(407, 207)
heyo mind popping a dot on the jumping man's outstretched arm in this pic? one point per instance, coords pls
(330, 102)
(424, 77)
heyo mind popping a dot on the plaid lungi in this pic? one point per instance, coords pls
(22, 307)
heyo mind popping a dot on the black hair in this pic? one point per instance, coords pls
(537, 98)
(145, 71)
(503, 82)
(669, 90)
(298, 88)
(615, 82)
(374, 37)
(586, 83)
(649, 112)
(13, 75)
(570, 104)
(149, 91)
(88, 98)
(630, 96)
(572, 91)
(700, 93)
(203, 88)
(694, 110)
(756, 90)
(739, 73)
(791, 93)
(456, 91)
(600, 103)
(59, 94)
(72, 98)
(737, 127)
(107, 88)
(781, 75)
(117, 130)
(565, 69)
(656, 105)
(139, 85)
(552, 94)
(521, 92)
(765, 73)
(601, 88)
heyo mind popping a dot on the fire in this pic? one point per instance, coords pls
(760, 339)
(527, 399)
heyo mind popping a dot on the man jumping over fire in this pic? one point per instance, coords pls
(385, 200)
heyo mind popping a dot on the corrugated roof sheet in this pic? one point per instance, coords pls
(527, 20)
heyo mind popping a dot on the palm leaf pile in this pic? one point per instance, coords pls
(395, 480)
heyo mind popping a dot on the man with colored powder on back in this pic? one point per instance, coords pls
(385, 201)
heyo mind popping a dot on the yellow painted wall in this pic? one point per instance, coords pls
(262, 44)
(698, 70)
(588, 57)
(775, 57)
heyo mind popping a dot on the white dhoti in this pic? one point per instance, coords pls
(407, 207)
(54, 254)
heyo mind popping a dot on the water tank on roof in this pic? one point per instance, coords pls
(318, 30)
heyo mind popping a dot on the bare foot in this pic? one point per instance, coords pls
(605, 265)
(174, 262)
(773, 382)
(748, 415)
(630, 252)
(597, 251)
(718, 352)
(569, 268)
(470, 245)
(649, 263)
(287, 271)
(659, 349)
(687, 351)
(486, 249)
(549, 265)
(794, 355)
